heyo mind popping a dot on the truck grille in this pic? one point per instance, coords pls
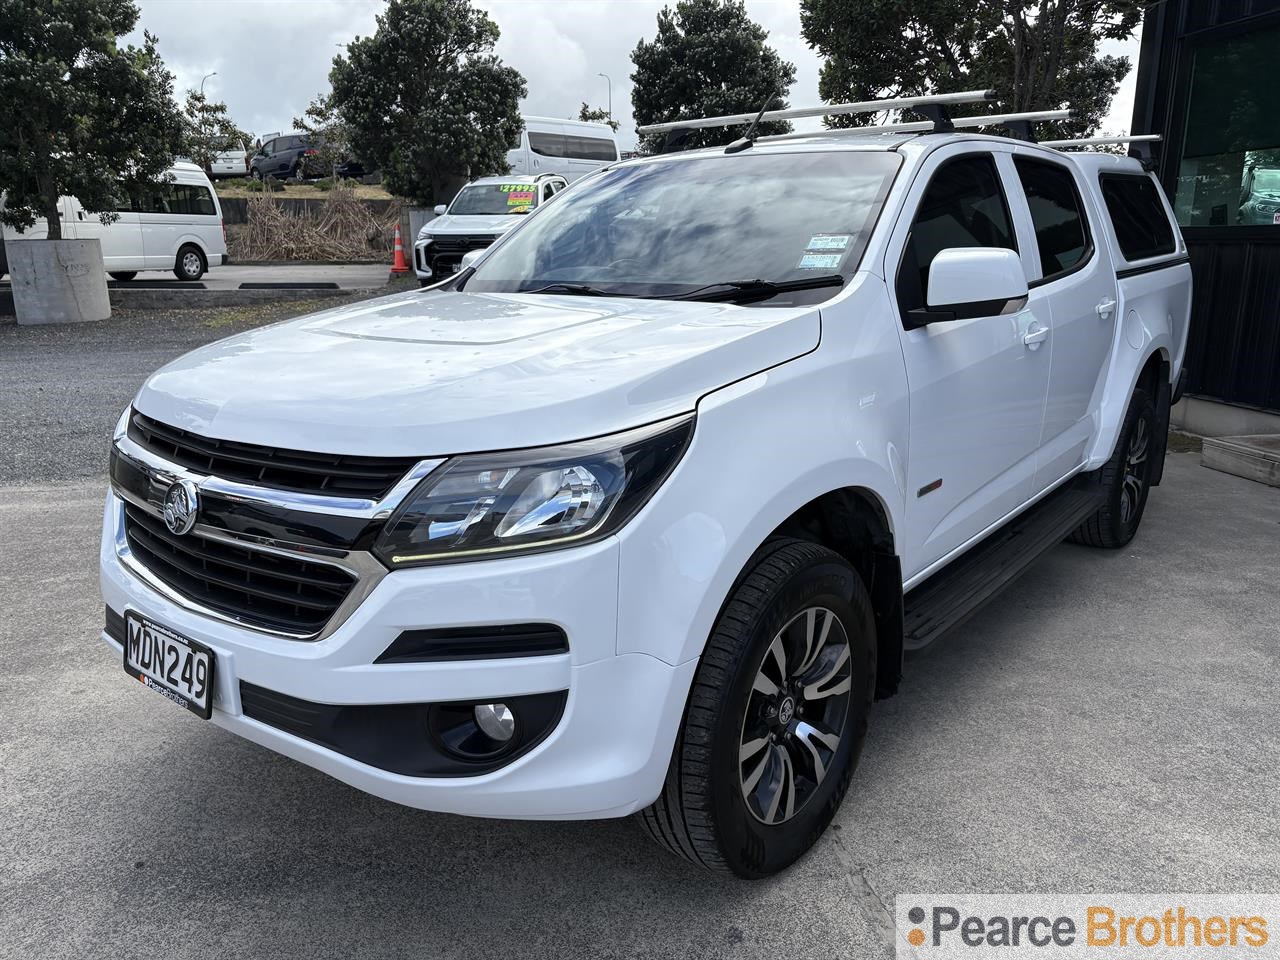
(461, 244)
(283, 594)
(324, 473)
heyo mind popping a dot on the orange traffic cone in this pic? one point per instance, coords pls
(398, 266)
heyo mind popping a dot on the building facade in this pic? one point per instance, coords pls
(1209, 82)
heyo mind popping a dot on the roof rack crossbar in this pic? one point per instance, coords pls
(826, 110)
(1102, 141)
(989, 120)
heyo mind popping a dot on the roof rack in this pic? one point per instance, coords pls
(924, 104)
(925, 126)
(1101, 141)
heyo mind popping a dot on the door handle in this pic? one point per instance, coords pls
(1105, 307)
(1033, 338)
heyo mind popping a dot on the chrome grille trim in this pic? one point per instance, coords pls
(367, 570)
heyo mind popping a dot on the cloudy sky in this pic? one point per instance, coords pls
(271, 57)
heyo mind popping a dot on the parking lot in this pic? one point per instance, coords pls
(1106, 725)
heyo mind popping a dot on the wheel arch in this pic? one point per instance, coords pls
(855, 522)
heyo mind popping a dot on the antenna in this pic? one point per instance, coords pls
(745, 142)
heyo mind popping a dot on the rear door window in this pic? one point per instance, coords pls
(964, 206)
(1142, 228)
(1057, 213)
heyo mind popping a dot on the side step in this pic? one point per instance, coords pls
(957, 591)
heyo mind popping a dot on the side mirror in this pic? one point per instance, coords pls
(440, 209)
(470, 257)
(969, 282)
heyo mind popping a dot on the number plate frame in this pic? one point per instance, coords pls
(161, 686)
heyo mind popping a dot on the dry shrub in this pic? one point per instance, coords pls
(345, 228)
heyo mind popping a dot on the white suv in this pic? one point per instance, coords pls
(640, 512)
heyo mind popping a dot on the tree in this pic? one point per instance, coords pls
(597, 115)
(327, 132)
(426, 98)
(708, 59)
(208, 129)
(79, 115)
(1038, 54)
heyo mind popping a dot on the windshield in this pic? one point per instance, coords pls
(493, 199)
(1267, 180)
(667, 229)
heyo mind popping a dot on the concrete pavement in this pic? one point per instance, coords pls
(1106, 725)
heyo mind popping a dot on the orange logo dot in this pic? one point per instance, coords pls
(915, 937)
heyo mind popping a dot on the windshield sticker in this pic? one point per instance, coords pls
(829, 241)
(521, 199)
(820, 261)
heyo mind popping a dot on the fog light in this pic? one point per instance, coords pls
(496, 720)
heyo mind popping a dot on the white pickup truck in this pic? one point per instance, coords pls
(639, 512)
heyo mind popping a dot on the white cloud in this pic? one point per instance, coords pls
(273, 56)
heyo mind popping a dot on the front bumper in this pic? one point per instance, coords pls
(606, 756)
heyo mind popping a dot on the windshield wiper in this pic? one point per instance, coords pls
(739, 290)
(574, 289)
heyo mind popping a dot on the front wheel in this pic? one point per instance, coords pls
(776, 716)
(1126, 479)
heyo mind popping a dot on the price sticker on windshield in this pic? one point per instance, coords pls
(829, 241)
(520, 199)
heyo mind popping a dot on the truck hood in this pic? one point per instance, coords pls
(431, 373)
(498, 223)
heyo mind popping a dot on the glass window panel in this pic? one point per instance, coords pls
(1230, 170)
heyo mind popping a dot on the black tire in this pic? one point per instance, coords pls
(123, 275)
(705, 812)
(255, 174)
(190, 263)
(1126, 479)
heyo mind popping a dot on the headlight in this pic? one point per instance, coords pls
(494, 504)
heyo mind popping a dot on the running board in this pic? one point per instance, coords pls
(959, 590)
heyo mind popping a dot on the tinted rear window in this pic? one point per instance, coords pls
(1142, 229)
(590, 148)
(1056, 213)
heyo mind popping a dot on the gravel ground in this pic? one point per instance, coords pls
(66, 384)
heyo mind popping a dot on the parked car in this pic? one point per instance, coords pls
(176, 226)
(482, 212)
(230, 163)
(1261, 204)
(297, 157)
(570, 148)
(640, 511)
(283, 157)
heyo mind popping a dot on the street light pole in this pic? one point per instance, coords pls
(610, 82)
(204, 78)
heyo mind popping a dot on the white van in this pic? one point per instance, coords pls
(176, 226)
(571, 148)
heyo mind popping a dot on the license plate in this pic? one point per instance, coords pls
(173, 666)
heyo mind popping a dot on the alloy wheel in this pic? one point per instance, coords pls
(1135, 471)
(796, 715)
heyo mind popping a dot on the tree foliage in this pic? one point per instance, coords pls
(79, 115)
(1038, 54)
(708, 59)
(327, 132)
(589, 114)
(426, 98)
(208, 129)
